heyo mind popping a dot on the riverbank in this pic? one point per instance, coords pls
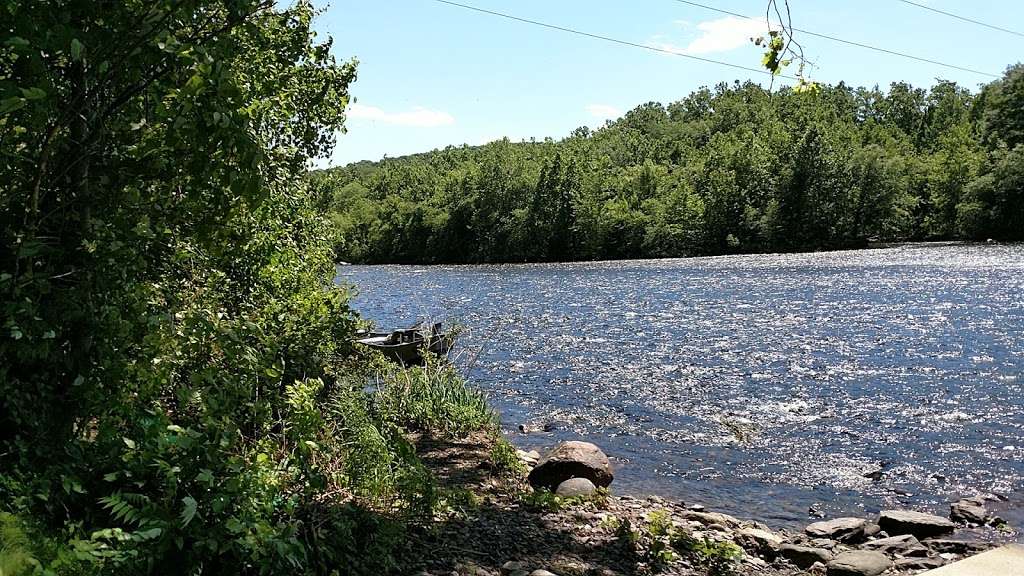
(501, 526)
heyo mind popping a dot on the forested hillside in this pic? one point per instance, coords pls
(734, 168)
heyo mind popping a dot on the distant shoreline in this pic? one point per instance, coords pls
(867, 247)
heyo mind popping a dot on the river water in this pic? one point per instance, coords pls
(761, 385)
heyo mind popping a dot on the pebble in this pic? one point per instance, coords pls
(511, 567)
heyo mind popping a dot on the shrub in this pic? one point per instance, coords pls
(504, 459)
(544, 499)
(432, 397)
(659, 543)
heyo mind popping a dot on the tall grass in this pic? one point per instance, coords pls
(433, 397)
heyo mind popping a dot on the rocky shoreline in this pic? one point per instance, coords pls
(559, 519)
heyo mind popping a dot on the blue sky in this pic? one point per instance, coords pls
(431, 75)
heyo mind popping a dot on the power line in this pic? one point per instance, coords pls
(850, 42)
(608, 38)
(964, 18)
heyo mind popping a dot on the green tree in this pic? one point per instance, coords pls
(170, 324)
(1003, 104)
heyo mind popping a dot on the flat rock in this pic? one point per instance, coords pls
(574, 487)
(859, 563)
(903, 545)
(531, 456)
(968, 512)
(961, 547)
(924, 563)
(759, 541)
(804, 556)
(846, 530)
(827, 543)
(896, 522)
(708, 518)
(572, 459)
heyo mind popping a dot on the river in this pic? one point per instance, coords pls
(760, 385)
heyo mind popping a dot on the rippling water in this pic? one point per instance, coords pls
(760, 385)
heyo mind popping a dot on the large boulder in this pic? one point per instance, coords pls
(571, 460)
(859, 563)
(921, 525)
(848, 530)
(804, 556)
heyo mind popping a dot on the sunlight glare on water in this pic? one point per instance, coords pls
(759, 385)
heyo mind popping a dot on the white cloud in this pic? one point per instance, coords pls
(603, 111)
(720, 35)
(418, 117)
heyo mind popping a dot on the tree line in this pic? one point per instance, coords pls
(729, 169)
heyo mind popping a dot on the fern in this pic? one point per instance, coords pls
(128, 507)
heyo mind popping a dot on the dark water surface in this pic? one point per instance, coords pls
(758, 385)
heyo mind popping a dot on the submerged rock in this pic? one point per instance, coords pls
(572, 459)
(921, 525)
(847, 530)
(574, 487)
(859, 563)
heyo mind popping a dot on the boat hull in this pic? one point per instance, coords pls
(407, 353)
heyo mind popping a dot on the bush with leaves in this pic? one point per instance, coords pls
(174, 356)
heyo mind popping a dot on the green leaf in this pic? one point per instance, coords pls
(189, 511)
(205, 475)
(76, 49)
(33, 93)
(129, 443)
(149, 534)
(8, 105)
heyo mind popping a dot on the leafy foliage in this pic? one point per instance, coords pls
(179, 393)
(544, 499)
(503, 457)
(659, 543)
(730, 169)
